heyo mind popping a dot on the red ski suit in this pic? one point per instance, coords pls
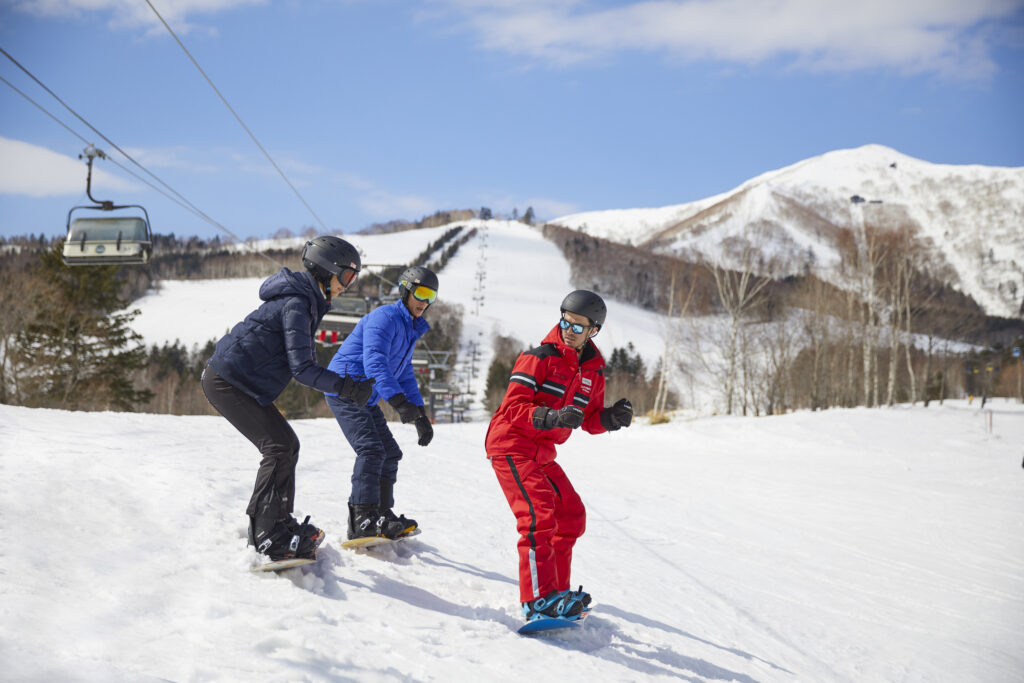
(549, 513)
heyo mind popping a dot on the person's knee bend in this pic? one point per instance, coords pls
(286, 450)
(573, 523)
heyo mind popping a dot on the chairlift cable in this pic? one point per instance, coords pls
(180, 200)
(237, 117)
(43, 109)
(108, 158)
(93, 129)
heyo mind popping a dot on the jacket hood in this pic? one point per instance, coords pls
(286, 283)
(591, 356)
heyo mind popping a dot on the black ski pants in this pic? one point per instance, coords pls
(274, 493)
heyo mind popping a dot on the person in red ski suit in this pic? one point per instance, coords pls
(553, 389)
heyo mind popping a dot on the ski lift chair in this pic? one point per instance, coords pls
(106, 240)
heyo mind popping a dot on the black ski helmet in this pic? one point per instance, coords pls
(326, 256)
(416, 275)
(585, 302)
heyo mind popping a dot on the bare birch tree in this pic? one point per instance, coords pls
(740, 288)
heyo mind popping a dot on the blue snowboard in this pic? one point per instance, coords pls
(550, 624)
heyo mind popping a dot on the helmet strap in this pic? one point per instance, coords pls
(325, 286)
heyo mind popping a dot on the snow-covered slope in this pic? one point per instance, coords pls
(970, 217)
(848, 545)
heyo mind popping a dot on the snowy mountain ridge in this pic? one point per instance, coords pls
(969, 218)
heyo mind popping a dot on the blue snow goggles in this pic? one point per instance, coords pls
(423, 293)
(576, 327)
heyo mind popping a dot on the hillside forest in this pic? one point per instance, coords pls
(779, 341)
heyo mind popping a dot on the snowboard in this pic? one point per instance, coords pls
(551, 624)
(278, 565)
(371, 541)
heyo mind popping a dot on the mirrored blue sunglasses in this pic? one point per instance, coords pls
(576, 327)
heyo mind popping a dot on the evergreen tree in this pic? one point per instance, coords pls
(528, 216)
(79, 352)
(626, 362)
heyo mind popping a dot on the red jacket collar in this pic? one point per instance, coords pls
(591, 357)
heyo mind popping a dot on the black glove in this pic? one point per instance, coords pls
(356, 390)
(618, 415)
(407, 410)
(424, 430)
(545, 418)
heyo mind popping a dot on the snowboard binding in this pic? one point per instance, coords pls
(286, 539)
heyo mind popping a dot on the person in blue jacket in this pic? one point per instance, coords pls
(250, 368)
(380, 347)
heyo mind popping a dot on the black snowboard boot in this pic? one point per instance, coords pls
(366, 520)
(304, 529)
(285, 538)
(387, 501)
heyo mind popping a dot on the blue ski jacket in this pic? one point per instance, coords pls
(381, 347)
(275, 342)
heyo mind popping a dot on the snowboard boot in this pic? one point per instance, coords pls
(387, 501)
(583, 598)
(305, 529)
(366, 520)
(285, 538)
(568, 605)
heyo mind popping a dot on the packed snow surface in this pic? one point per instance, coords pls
(848, 545)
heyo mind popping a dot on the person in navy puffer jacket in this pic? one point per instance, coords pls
(380, 347)
(252, 365)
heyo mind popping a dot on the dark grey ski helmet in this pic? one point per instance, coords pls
(413, 276)
(585, 302)
(326, 256)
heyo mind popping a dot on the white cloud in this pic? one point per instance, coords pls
(134, 13)
(950, 37)
(33, 171)
(178, 157)
(383, 204)
(378, 203)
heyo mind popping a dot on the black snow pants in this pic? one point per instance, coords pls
(274, 493)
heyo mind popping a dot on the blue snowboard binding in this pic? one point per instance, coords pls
(557, 609)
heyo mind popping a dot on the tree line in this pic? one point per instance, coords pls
(894, 332)
(66, 340)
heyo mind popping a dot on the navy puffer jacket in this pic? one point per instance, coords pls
(275, 342)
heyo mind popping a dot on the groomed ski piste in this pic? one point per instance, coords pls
(846, 545)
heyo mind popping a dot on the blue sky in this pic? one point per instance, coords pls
(391, 109)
